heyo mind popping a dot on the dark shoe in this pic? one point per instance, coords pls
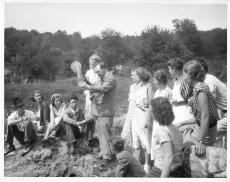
(27, 149)
(9, 149)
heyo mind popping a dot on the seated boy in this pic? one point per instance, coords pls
(128, 165)
(72, 116)
(20, 126)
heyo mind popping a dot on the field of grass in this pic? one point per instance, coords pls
(64, 87)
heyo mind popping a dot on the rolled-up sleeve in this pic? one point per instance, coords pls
(11, 118)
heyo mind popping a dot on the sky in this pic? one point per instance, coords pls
(128, 19)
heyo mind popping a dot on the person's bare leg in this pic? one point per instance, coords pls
(48, 131)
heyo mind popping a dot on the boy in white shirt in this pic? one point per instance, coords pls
(21, 127)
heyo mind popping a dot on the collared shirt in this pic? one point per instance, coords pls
(14, 116)
(103, 97)
(218, 88)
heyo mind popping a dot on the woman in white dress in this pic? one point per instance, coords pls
(142, 120)
(57, 109)
(126, 133)
(93, 79)
(183, 113)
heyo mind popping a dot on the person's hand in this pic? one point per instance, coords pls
(83, 85)
(80, 123)
(200, 149)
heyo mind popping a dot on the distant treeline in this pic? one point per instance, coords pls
(46, 55)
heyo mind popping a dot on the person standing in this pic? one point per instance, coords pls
(126, 133)
(142, 120)
(175, 67)
(103, 106)
(93, 79)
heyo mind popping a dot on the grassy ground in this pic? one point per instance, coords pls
(64, 87)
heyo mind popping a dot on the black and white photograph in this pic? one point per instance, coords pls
(114, 89)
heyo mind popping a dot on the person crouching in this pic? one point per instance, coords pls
(21, 127)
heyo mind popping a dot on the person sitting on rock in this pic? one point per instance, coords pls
(72, 116)
(21, 127)
(127, 164)
(42, 111)
(57, 109)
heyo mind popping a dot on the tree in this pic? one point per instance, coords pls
(112, 49)
(187, 32)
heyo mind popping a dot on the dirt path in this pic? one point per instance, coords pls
(53, 160)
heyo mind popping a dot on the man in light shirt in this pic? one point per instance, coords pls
(21, 127)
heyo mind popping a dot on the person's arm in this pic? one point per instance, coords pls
(185, 122)
(12, 121)
(68, 119)
(204, 123)
(122, 167)
(168, 158)
(107, 85)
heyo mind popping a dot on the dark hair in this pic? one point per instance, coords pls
(38, 92)
(195, 71)
(176, 63)
(162, 110)
(160, 76)
(18, 102)
(74, 97)
(203, 63)
(118, 144)
(143, 74)
(55, 97)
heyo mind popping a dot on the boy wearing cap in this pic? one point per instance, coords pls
(20, 126)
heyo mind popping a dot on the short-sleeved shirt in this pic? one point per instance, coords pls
(219, 88)
(14, 116)
(212, 108)
(162, 134)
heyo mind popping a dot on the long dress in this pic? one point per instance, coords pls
(141, 122)
(182, 112)
(126, 133)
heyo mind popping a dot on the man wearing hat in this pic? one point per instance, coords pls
(20, 126)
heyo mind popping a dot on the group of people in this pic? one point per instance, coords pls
(159, 123)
